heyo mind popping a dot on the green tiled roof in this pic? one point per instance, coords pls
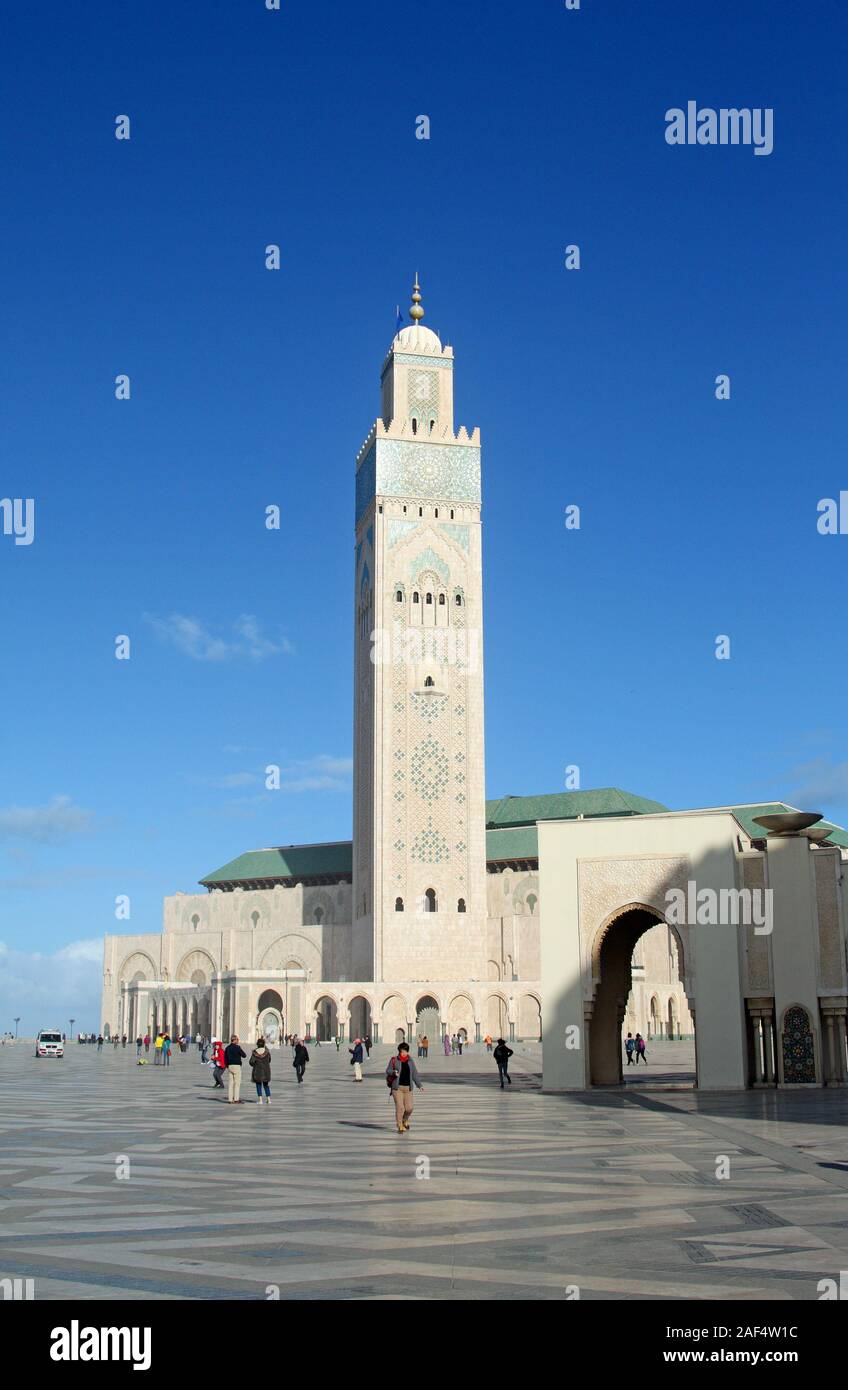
(745, 816)
(510, 835)
(287, 861)
(606, 801)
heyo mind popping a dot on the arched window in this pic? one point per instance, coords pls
(441, 600)
(451, 513)
(254, 917)
(319, 916)
(414, 425)
(458, 600)
(460, 907)
(429, 598)
(195, 922)
(420, 511)
(531, 902)
(399, 596)
(432, 423)
(415, 598)
(429, 683)
(398, 904)
(436, 512)
(430, 900)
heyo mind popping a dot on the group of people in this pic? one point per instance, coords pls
(227, 1061)
(635, 1049)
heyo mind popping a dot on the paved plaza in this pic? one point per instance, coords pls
(615, 1192)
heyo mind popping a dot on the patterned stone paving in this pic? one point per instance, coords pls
(615, 1192)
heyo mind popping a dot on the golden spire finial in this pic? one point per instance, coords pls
(416, 313)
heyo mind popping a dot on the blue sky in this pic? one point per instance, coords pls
(252, 387)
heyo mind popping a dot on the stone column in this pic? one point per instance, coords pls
(585, 1043)
(768, 1046)
(833, 1017)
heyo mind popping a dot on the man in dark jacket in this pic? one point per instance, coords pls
(233, 1057)
(356, 1055)
(502, 1055)
(301, 1057)
(402, 1074)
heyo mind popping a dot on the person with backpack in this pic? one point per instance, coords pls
(301, 1057)
(641, 1050)
(502, 1054)
(260, 1071)
(630, 1048)
(356, 1058)
(219, 1064)
(401, 1076)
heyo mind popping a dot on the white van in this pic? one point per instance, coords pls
(49, 1043)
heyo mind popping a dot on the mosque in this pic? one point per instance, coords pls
(450, 913)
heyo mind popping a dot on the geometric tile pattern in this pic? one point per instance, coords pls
(615, 1191)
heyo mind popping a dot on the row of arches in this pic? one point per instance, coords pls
(396, 1019)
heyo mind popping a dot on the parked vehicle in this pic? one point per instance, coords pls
(49, 1043)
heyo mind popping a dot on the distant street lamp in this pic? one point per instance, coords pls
(71, 1033)
(17, 1021)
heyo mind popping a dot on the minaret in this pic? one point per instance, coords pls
(419, 876)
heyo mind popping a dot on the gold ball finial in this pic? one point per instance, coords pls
(416, 313)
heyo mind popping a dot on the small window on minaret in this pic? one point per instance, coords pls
(430, 900)
(460, 907)
(432, 425)
(436, 513)
(429, 683)
(429, 598)
(399, 596)
(398, 904)
(414, 425)
(441, 600)
(420, 511)
(458, 600)
(415, 598)
(451, 513)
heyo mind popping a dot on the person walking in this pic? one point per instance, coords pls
(401, 1076)
(502, 1055)
(233, 1057)
(99, 1044)
(260, 1071)
(338, 1043)
(166, 1050)
(447, 1045)
(356, 1058)
(368, 1046)
(630, 1048)
(301, 1057)
(641, 1050)
(425, 1046)
(138, 1046)
(147, 1042)
(488, 1041)
(157, 1049)
(123, 1040)
(219, 1063)
(459, 1042)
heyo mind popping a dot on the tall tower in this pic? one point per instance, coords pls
(419, 868)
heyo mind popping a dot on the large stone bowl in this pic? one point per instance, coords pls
(788, 822)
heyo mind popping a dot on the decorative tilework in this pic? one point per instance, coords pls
(365, 481)
(398, 529)
(429, 846)
(428, 560)
(409, 359)
(799, 1062)
(423, 391)
(429, 769)
(407, 468)
(456, 533)
(429, 707)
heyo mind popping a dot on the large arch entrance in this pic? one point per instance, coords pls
(326, 1019)
(612, 960)
(428, 1019)
(360, 1017)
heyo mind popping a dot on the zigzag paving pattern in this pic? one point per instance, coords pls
(528, 1195)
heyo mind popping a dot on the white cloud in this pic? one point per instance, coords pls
(820, 782)
(47, 825)
(48, 990)
(319, 774)
(193, 639)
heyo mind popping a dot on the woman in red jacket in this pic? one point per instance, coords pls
(218, 1062)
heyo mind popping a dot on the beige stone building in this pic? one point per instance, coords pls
(431, 919)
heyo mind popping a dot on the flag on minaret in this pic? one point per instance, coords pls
(399, 319)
